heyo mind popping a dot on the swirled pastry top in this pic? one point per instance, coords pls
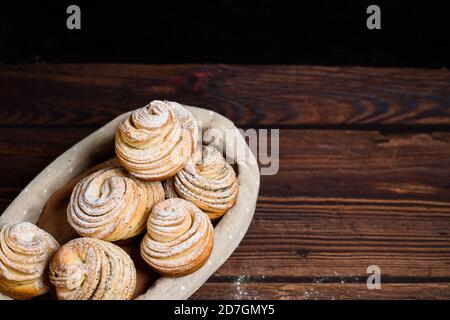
(179, 238)
(111, 205)
(25, 251)
(92, 269)
(153, 144)
(211, 185)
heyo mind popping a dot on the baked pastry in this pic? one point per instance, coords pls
(189, 122)
(25, 251)
(153, 144)
(112, 205)
(179, 238)
(211, 185)
(92, 269)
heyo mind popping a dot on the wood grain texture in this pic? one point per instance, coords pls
(364, 165)
(272, 96)
(294, 291)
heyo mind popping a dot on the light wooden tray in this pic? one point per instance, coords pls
(47, 194)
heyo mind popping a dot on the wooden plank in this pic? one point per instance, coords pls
(251, 96)
(24, 153)
(328, 164)
(240, 289)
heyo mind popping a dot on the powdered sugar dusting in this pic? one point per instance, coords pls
(24, 232)
(241, 287)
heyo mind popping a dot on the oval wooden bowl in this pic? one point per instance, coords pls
(45, 198)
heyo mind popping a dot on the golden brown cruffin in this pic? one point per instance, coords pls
(25, 251)
(112, 205)
(92, 269)
(179, 238)
(211, 185)
(153, 144)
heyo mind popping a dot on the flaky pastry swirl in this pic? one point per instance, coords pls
(179, 238)
(189, 122)
(152, 144)
(111, 205)
(92, 269)
(25, 251)
(211, 185)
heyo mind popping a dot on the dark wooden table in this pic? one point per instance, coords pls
(364, 165)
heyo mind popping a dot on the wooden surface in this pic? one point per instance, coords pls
(364, 165)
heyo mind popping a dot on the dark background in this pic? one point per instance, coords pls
(413, 34)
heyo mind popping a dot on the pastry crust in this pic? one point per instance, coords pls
(153, 144)
(190, 123)
(211, 185)
(92, 269)
(25, 251)
(112, 205)
(179, 238)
